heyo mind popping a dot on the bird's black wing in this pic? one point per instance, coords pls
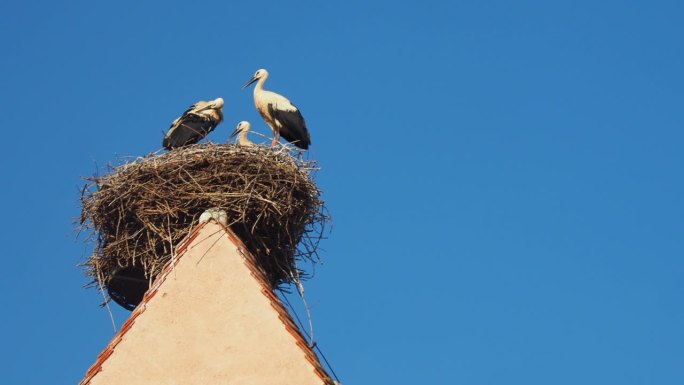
(293, 127)
(188, 129)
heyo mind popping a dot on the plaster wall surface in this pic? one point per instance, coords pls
(209, 322)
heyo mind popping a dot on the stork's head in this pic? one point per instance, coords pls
(217, 103)
(260, 74)
(243, 126)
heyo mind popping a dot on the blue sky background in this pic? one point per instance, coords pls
(505, 177)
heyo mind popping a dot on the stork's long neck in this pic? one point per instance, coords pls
(243, 137)
(260, 84)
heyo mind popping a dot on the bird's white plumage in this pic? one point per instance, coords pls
(279, 101)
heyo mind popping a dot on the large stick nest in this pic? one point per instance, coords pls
(139, 211)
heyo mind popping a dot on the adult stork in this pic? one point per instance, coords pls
(243, 128)
(279, 113)
(195, 123)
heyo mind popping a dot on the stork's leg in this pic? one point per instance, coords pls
(276, 137)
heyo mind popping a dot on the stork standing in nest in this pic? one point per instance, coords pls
(279, 113)
(195, 123)
(242, 128)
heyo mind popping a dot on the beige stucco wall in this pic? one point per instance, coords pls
(208, 323)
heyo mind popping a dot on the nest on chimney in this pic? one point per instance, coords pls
(139, 211)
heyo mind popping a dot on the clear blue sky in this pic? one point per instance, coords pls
(505, 177)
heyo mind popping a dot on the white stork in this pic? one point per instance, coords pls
(279, 113)
(243, 128)
(195, 123)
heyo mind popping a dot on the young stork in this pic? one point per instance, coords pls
(279, 113)
(195, 123)
(242, 129)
